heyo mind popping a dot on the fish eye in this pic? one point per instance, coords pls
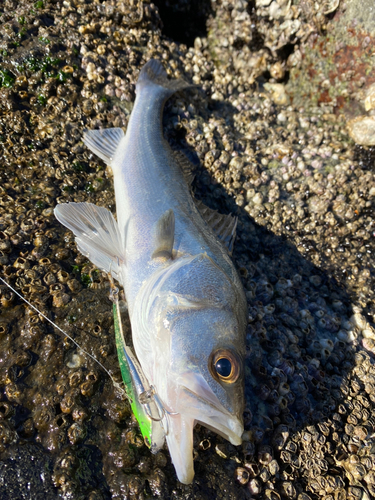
(225, 366)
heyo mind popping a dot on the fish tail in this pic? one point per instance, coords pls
(105, 143)
(153, 73)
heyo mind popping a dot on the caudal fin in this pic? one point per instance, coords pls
(153, 73)
(97, 234)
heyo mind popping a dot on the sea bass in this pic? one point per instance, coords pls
(171, 254)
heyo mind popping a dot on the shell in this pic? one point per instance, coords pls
(242, 475)
(254, 487)
(362, 130)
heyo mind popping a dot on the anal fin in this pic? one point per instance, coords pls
(103, 142)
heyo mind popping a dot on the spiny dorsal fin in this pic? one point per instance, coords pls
(224, 226)
(186, 166)
(153, 73)
(103, 142)
(164, 236)
(97, 234)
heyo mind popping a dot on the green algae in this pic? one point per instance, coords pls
(46, 65)
(7, 78)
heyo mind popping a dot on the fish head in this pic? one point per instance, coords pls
(205, 383)
(198, 363)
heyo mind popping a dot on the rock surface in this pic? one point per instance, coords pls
(276, 84)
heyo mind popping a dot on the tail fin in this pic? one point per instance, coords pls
(104, 143)
(153, 73)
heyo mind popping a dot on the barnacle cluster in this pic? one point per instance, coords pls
(304, 197)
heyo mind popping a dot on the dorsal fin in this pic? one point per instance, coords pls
(186, 166)
(224, 226)
(103, 142)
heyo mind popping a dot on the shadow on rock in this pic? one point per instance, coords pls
(308, 398)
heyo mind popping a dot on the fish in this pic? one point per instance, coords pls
(172, 256)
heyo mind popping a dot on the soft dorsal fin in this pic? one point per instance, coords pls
(186, 166)
(164, 236)
(97, 234)
(103, 142)
(224, 226)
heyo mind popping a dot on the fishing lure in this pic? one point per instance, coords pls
(146, 407)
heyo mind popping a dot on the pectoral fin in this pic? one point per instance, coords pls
(164, 236)
(97, 234)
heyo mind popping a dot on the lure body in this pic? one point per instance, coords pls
(186, 303)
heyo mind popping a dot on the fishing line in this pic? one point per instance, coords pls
(116, 384)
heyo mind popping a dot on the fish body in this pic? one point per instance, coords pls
(186, 303)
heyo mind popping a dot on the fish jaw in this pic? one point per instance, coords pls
(196, 404)
(201, 403)
(180, 444)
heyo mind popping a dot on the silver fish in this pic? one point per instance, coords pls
(171, 254)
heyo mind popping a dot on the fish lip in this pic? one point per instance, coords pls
(216, 417)
(204, 408)
(180, 444)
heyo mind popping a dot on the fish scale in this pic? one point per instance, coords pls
(186, 303)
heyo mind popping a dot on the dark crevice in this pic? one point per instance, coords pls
(365, 156)
(257, 40)
(285, 51)
(184, 20)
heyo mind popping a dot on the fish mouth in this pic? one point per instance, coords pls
(197, 405)
(213, 415)
(180, 444)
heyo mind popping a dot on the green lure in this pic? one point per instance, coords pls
(143, 400)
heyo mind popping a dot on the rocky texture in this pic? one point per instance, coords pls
(267, 146)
